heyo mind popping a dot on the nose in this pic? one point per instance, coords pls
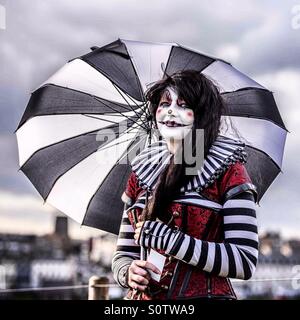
(172, 109)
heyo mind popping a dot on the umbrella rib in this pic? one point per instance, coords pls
(121, 142)
(124, 115)
(121, 94)
(127, 152)
(117, 103)
(132, 109)
(90, 116)
(240, 115)
(119, 111)
(110, 121)
(143, 105)
(125, 131)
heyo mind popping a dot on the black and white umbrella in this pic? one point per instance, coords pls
(72, 141)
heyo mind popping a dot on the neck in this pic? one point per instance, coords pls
(173, 145)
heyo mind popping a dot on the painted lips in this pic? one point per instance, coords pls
(172, 124)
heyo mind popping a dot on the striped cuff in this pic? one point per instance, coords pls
(157, 235)
(123, 276)
(119, 269)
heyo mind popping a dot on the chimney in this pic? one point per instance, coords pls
(61, 226)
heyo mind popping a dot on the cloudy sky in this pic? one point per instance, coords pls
(259, 37)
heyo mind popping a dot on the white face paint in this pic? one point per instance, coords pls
(173, 117)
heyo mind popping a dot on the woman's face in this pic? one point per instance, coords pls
(173, 117)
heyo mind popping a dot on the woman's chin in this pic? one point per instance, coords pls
(174, 133)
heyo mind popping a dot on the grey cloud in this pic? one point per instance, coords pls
(41, 36)
(274, 45)
(12, 101)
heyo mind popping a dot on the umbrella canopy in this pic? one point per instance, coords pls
(73, 122)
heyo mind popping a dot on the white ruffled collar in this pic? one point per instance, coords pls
(149, 164)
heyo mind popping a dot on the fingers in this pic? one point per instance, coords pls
(138, 276)
(136, 269)
(139, 279)
(137, 282)
(136, 286)
(137, 233)
(139, 271)
(147, 265)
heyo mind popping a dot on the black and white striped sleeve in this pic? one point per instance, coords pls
(127, 250)
(236, 257)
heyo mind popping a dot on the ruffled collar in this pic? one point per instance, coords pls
(149, 164)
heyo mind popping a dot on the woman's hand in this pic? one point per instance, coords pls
(137, 231)
(138, 276)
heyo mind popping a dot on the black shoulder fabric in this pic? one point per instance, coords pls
(239, 189)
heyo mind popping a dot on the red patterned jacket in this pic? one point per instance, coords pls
(182, 280)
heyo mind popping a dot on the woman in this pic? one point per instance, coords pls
(205, 223)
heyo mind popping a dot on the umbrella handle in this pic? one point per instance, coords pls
(143, 254)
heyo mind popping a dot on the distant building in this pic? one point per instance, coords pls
(277, 270)
(61, 227)
(30, 261)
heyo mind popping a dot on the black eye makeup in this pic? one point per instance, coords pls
(164, 103)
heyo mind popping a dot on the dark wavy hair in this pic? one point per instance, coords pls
(203, 97)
